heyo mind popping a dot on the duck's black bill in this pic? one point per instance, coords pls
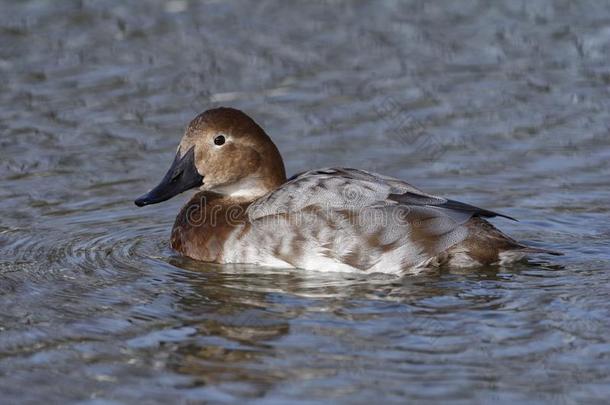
(181, 176)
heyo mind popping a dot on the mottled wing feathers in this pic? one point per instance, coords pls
(358, 219)
(329, 189)
(342, 188)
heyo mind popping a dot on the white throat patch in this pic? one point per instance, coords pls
(247, 188)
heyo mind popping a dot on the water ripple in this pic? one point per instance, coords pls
(500, 104)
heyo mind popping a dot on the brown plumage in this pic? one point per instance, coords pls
(204, 223)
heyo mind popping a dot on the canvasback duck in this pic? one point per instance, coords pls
(340, 219)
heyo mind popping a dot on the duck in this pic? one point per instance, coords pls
(245, 210)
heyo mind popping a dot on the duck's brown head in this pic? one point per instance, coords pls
(223, 151)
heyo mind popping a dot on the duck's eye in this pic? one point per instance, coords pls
(219, 140)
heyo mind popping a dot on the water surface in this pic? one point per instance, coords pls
(503, 105)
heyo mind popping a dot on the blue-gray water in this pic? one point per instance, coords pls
(503, 105)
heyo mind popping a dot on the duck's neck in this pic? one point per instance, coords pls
(268, 177)
(249, 188)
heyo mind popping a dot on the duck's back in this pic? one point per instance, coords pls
(352, 220)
